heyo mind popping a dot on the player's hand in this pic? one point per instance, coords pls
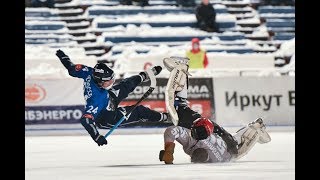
(60, 54)
(101, 140)
(166, 156)
(156, 70)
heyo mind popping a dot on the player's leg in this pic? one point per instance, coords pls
(186, 116)
(232, 144)
(108, 119)
(249, 135)
(126, 86)
(123, 88)
(177, 82)
(142, 114)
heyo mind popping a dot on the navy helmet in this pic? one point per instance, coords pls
(102, 73)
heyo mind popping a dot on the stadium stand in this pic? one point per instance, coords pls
(99, 26)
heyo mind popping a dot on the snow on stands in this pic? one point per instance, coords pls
(145, 33)
(287, 48)
(278, 15)
(44, 52)
(254, 20)
(42, 63)
(147, 30)
(42, 60)
(125, 7)
(161, 18)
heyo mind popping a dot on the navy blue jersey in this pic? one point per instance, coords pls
(96, 98)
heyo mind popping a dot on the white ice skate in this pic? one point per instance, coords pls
(260, 126)
(248, 136)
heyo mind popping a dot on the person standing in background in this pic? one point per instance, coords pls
(198, 57)
(206, 17)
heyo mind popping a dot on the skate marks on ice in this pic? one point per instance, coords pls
(143, 165)
(182, 164)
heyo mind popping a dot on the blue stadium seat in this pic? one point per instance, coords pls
(116, 2)
(225, 25)
(163, 24)
(43, 40)
(150, 39)
(31, 12)
(276, 9)
(280, 23)
(281, 29)
(234, 37)
(44, 27)
(284, 36)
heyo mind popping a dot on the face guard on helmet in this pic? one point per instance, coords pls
(201, 128)
(103, 76)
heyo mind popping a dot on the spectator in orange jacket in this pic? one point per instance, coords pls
(198, 57)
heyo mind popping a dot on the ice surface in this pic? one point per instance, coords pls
(136, 157)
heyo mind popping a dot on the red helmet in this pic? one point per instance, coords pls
(201, 128)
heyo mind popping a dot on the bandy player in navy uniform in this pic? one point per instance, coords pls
(102, 97)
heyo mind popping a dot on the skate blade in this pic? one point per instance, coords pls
(264, 137)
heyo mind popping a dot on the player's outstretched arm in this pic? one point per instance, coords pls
(87, 123)
(65, 60)
(74, 70)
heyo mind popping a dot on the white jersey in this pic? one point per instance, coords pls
(216, 147)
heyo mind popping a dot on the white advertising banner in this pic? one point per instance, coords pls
(240, 100)
(55, 92)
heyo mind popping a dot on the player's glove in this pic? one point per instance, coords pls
(156, 70)
(166, 155)
(100, 140)
(61, 54)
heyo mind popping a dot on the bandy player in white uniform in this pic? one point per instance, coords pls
(203, 140)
